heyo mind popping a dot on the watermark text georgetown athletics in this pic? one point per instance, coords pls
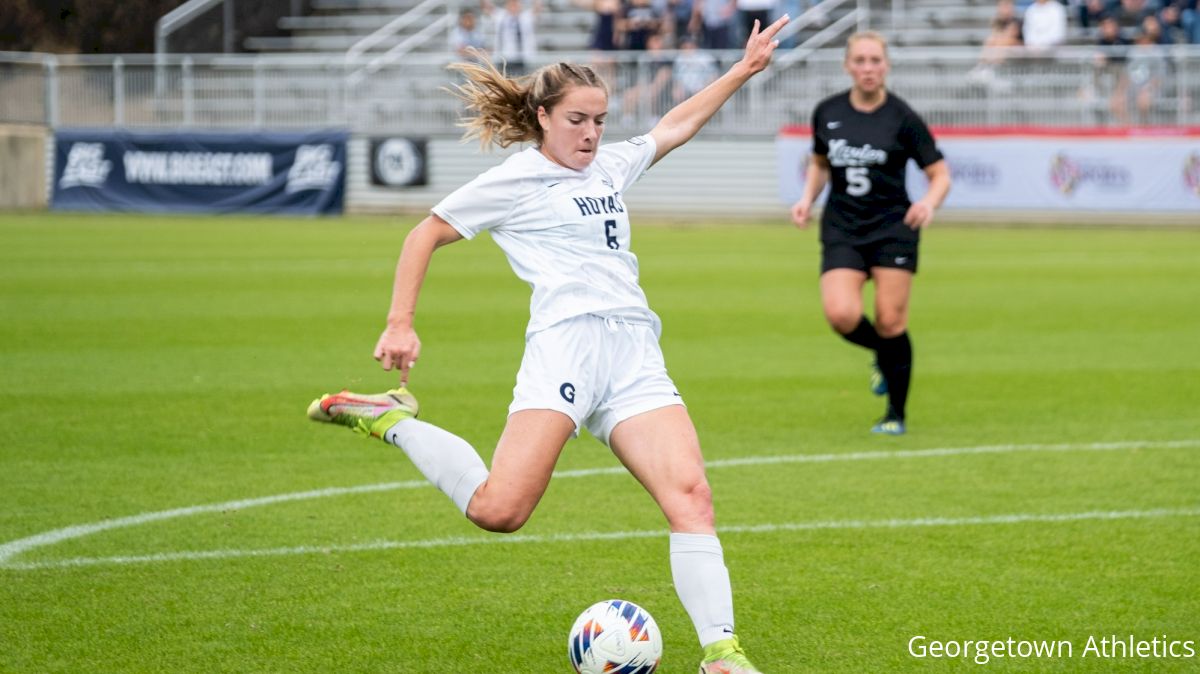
(1111, 647)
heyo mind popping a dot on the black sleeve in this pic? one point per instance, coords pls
(820, 145)
(919, 141)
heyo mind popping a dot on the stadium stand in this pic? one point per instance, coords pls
(378, 70)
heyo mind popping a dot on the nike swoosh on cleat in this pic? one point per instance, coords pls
(359, 402)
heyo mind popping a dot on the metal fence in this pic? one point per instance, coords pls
(1074, 87)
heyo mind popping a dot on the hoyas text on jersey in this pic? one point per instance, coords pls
(599, 205)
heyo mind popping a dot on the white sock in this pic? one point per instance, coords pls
(702, 583)
(445, 459)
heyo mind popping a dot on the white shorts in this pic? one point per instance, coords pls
(599, 371)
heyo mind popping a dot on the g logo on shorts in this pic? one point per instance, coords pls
(567, 391)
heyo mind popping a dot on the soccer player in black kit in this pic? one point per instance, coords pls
(862, 141)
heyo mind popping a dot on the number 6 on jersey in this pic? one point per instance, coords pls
(610, 234)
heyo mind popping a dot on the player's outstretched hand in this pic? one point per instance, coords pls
(398, 349)
(801, 212)
(761, 45)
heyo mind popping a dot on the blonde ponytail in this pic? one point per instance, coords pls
(505, 109)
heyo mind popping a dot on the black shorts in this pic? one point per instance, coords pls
(891, 253)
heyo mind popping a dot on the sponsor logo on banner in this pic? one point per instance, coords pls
(313, 169)
(199, 172)
(1191, 173)
(973, 171)
(86, 166)
(197, 168)
(398, 162)
(1068, 174)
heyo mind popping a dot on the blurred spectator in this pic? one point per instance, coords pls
(1170, 22)
(1152, 29)
(646, 100)
(1146, 69)
(693, 70)
(1045, 25)
(1005, 35)
(641, 20)
(679, 12)
(1189, 12)
(515, 41)
(466, 35)
(714, 20)
(605, 35)
(1091, 11)
(1131, 13)
(1109, 78)
(750, 11)
(1006, 13)
(1111, 39)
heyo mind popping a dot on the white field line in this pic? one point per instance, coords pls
(11, 549)
(514, 539)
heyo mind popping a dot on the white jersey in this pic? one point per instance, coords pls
(565, 232)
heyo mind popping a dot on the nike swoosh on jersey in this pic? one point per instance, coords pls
(833, 125)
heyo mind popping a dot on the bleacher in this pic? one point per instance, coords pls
(296, 85)
(336, 26)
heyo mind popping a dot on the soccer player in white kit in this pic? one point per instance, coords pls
(592, 357)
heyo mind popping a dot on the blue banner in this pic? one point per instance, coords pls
(192, 172)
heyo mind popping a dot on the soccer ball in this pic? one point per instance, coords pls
(615, 636)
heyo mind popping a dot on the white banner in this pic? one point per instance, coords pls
(1111, 171)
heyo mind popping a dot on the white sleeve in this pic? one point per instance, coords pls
(628, 160)
(485, 202)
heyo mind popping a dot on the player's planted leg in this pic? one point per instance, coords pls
(895, 361)
(726, 657)
(878, 382)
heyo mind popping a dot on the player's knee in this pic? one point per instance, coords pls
(500, 519)
(891, 325)
(843, 319)
(695, 508)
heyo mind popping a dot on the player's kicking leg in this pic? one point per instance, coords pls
(368, 414)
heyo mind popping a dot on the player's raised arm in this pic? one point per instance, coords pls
(684, 120)
(399, 347)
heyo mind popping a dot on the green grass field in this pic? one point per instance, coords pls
(156, 372)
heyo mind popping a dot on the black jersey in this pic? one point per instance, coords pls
(868, 154)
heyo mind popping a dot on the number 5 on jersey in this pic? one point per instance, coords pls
(857, 182)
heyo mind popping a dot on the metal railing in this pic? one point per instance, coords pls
(857, 18)
(185, 14)
(361, 50)
(947, 86)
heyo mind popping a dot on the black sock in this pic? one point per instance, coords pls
(895, 362)
(863, 335)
